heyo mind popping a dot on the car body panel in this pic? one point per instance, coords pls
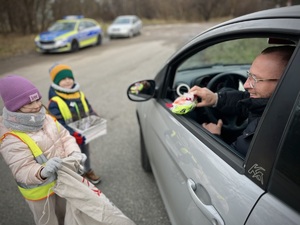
(61, 40)
(125, 26)
(187, 152)
(269, 210)
(200, 178)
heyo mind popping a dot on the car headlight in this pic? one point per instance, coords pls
(61, 42)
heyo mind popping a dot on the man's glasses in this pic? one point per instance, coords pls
(253, 80)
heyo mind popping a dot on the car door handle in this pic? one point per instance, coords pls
(207, 209)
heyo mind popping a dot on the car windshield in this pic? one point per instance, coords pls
(226, 53)
(62, 26)
(122, 21)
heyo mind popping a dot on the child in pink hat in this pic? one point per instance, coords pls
(33, 144)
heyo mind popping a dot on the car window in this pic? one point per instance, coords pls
(62, 26)
(122, 20)
(285, 183)
(89, 24)
(241, 51)
(231, 56)
(222, 66)
(82, 25)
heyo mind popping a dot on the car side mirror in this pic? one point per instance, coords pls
(141, 91)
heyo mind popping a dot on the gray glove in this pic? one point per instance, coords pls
(51, 167)
(79, 156)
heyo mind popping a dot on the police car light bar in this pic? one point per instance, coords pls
(73, 17)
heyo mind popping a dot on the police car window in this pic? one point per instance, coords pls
(62, 26)
(285, 182)
(90, 24)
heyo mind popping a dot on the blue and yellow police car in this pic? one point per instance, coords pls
(69, 35)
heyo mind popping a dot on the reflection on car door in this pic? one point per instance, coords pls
(221, 192)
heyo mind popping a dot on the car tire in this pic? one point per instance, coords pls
(130, 34)
(144, 155)
(74, 46)
(99, 40)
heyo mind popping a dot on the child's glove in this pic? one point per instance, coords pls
(184, 104)
(79, 156)
(51, 167)
(79, 138)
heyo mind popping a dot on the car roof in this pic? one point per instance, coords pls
(288, 12)
(75, 20)
(275, 13)
(126, 16)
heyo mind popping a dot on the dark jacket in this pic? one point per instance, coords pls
(239, 103)
(71, 101)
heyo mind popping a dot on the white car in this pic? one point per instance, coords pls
(125, 26)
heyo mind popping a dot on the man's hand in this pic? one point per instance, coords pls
(208, 98)
(214, 128)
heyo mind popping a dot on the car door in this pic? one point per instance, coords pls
(281, 202)
(196, 182)
(201, 179)
(87, 33)
(135, 25)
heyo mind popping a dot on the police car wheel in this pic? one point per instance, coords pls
(99, 40)
(74, 46)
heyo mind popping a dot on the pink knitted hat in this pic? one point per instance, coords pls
(16, 91)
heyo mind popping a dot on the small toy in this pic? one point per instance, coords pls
(184, 104)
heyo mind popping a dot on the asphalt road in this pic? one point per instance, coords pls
(104, 73)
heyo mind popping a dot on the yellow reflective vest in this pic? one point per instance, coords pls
(64, 109)
(33, 192)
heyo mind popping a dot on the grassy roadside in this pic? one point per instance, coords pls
(14, 44)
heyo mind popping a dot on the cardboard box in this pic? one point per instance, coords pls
(91, 127)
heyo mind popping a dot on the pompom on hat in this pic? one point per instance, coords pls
(17, 91)
(60, 71)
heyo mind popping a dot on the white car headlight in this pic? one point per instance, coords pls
(61, 42)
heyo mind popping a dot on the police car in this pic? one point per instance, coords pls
(69, 35)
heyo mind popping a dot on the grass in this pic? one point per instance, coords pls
(14, 45)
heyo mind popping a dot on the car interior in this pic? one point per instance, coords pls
(222, 66)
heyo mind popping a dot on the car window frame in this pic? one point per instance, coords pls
(204, 136)
(267, 140)
(281, 185)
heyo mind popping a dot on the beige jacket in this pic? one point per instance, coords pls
(53, 139)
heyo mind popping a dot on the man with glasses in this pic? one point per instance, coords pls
(262, 79)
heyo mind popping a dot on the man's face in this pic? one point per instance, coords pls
(266, 66)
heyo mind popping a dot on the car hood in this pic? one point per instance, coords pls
(119, 26)
(51, 35)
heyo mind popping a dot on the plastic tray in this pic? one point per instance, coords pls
(91, 127)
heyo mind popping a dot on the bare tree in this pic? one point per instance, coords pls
(31, 16)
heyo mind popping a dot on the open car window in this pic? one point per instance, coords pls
(219, 67)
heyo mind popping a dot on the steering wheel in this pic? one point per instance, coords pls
(230, 80)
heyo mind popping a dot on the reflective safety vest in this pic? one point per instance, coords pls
(33, 192)
(64, 109)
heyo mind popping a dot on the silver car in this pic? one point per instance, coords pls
(201, 179)
(125, 26)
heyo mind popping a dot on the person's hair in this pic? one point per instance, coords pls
(285, 51)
